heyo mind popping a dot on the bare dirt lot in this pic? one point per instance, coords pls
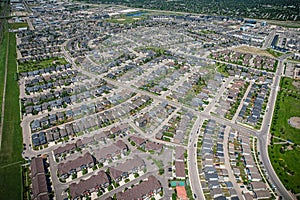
(296, 84)
(253, 50)
(295, 122)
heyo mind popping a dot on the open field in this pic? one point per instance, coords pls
(11, 148)
(287, 106)
(286, 166)
(35, 65)
(123, 19)
(274, 53)
(17, 25)
(288, 24)
(253, 50)
(3, 47)
(285, 158)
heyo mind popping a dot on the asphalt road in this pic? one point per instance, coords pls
(264, 136)
(192, 160)
(192, 149)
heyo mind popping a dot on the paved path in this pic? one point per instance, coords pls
(4, 91)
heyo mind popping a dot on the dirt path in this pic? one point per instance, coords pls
(4, 91)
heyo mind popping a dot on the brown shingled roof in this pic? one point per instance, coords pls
(129, 165)
(179, 169)
(115, 173)
(39, 185)
(110, 150)
(140, 190)
(66, 148)
(153, 146)
(43, 197)
(121, 144)
(179, 153)
(85, 185)
(137, 140)
(37, 166)
(64, 168)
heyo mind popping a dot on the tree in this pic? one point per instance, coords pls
(174, 196)
(161, 171)
(110, 188)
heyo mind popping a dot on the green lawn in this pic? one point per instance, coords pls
(2, 63)
(35, 65)
(286, 166)
(221, 68)
(123, 19)
(274, 53)
(287, 106)
(18, 25)
(287, 83)
(286, 158)
(11, 148)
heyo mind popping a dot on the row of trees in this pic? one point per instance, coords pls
(269, 9)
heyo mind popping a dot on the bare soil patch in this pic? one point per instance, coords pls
(253, 50)
(295, 122)
(296, 84)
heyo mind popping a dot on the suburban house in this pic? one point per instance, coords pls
(65, 149)
(39, 183)
(138, 140)
(179, 153)
(144, 190)
(95, 182)
(153, 146)
(124, 169)
(73, 166)
(180, 169)
(111, 152)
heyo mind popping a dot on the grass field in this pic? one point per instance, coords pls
(123, 19)
(253, 50)
(17, 25)
(288, 24)
(274, 53)
(287, 106)
(35, 65)
(221, 68)
(285, 158)
(11, 148)
(286, 166)
(2, 63)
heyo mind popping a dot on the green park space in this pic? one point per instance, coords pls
(36, 65)
(123, 19)
(11, 146)
(284, 156)
(18, 25)
(276, 54)
(221, 68)
(3, 46)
